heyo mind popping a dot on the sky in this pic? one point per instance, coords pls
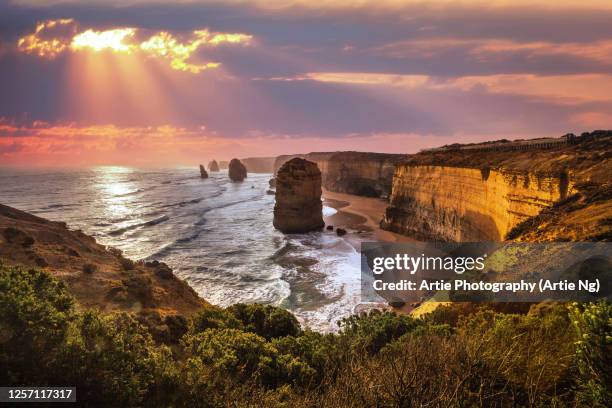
(147, 83)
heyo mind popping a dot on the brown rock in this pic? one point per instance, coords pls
(298, 205)
(203, 172)
(213, 166)
(272, 182)
(237, 171)
(340, 231)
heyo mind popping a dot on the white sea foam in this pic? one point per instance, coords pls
(216, 234)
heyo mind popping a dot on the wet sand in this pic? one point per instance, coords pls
(361, 215)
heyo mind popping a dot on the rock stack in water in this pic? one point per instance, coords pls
(203, 173)
(298, 205)
(213, 166)
(237, 171)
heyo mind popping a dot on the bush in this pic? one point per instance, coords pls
(254, 355)
(593, 325)
(371, 332)
(265, 320)
(35, 315)
(217, 353)
(214, 318)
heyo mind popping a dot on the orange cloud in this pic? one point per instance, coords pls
(484, 49)
(50, 38)
(59, 145)
(165, 45)
(592, 120)
(562, 88)
(382, 5)
(44, 42)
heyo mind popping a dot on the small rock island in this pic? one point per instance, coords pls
(213, 166)
(237, 171)
(203, 173)
(298, 205)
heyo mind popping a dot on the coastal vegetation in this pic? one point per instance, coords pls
(258, 355)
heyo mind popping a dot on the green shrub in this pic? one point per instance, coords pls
(593, 325)
(214, 318)
(35, 315)
(265, 320)
(371, 332)
(219, 353)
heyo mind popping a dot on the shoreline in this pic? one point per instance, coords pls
(361, 215)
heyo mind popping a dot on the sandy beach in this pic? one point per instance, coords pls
(361, 215)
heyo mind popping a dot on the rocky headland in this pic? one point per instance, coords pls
(298, 206)
(237, 171)
(98, 277)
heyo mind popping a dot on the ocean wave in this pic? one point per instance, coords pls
(135, 192)
(150, 223)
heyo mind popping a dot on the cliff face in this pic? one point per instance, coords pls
(467, 204)
(298, 206)
(544, 194)
(366, 174)
(259, 164)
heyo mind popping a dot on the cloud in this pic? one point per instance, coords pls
(381, 5)
(49, 39)
(165, 45)
(558, 88)
(54, 37)
(66, 144)
(487, 49)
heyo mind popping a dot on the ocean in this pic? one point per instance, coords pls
(215, 234)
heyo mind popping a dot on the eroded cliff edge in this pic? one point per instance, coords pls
(489, 194)
(359, 173)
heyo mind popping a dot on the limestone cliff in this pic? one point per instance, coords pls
(298, 206)
(483, 195)
(259, 164)
(366, 174)
(467, 204)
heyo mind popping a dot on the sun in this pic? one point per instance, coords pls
(100, 40)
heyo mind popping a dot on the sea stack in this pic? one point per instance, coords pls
(237, 171)
(213, 166)
(203, 173)
(298, 205)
